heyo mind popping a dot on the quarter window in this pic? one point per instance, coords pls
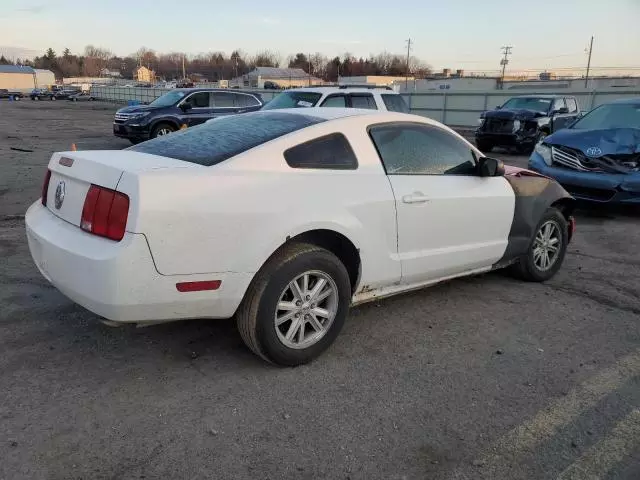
(329, 152)
(365, 100)
(242, 100)
(413, 149)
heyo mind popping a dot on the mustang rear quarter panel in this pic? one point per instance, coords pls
(231, 217)
(534, 195)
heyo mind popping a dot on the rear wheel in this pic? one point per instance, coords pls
(484, 146)
(162, 129)
(296, 305)
(547, 249)
(53, 98)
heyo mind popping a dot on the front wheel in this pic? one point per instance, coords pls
(296, 305)
(161, 130)
(547, 249)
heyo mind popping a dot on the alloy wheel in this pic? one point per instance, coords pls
(306, 309)
(546, 246)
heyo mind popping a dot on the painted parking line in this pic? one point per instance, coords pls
(524, 438)
(598, 460)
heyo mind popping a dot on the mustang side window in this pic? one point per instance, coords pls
(331, 152)
(414, 149)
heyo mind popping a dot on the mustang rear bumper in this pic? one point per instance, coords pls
(118, 280)
(592, 186)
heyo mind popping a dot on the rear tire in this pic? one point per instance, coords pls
(288, 328)
(531, 267)
(162, 129)
(484, 146)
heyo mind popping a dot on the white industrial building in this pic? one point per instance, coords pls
(18, 77)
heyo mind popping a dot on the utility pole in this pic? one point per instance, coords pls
(586, 78)
(505, 60)
(406, 76)
(309, 61)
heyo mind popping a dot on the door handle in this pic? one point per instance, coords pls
(415, 197)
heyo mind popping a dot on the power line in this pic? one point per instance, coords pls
(505, 60)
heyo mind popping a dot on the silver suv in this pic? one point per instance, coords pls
(346, 96)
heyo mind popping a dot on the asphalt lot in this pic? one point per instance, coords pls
(480, 378)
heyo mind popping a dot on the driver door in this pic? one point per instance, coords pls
(200, 109)
(449, 219)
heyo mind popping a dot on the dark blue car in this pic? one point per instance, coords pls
(179, 108)
(597, 158)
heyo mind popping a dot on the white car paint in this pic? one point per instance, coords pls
(326, 92)
(189, 223)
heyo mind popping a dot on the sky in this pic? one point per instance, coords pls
(468, 34)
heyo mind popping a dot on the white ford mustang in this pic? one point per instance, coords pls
(284, 219)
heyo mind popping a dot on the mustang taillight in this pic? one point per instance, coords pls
(105, 213)
(45, 187)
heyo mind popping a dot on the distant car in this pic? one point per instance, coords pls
(40, 94)
(81, 97)
(15, 95)
(284, 219)
(269, 85)
(63, 94)
(179, 107)
(347, 96)
(523, 121)
(598, 157)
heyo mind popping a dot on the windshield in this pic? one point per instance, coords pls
(528, 103)
(293, 100)
(610, 116)
(168, 99)
(216, 141)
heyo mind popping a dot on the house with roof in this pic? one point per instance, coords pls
(282, 77)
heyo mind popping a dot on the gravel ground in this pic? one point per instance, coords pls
(480, 378)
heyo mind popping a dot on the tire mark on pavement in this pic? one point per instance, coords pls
(607, 302)
(524, 438)
(604, 455)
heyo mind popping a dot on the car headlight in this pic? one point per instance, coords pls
(480, 122)
(544, 151)
(138, 116)
(516, 125)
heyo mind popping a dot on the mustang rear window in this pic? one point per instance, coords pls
(225, 137)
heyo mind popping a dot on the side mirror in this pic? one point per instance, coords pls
(498, 107)
(561, 111)
(185, 106)
(490, 167)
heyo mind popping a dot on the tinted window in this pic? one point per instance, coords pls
(242, 100)
(572, 105)
(614, 115)
(216, 141)
(329, 152)
(293, 100)
(363, 101)
(528, 103)
(412, 149)
(558, 103)
(198, 100)
(169, 98)
(222, 100)
(335, 101)
(395, 103)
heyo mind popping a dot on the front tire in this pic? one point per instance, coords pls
(162, 129)
(296, 305)
(547, 249)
